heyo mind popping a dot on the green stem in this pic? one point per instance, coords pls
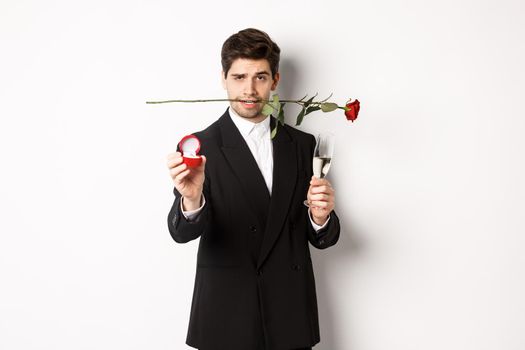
(170, 101)
(299, 102)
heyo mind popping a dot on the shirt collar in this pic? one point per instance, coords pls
(246, 126)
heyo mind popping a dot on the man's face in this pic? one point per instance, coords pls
(249, 81)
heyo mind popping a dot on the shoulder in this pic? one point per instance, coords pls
(298, 136)
(211, 135)
(211, 132)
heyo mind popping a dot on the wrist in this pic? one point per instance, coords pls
(320, 220)
(191, 203)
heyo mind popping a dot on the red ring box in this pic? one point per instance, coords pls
(190, 147)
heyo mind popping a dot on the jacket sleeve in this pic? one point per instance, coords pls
(183, 230)
(327, 236)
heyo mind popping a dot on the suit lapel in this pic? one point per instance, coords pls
(244, 166)
(284, 182)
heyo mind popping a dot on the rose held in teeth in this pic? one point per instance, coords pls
(249, 102)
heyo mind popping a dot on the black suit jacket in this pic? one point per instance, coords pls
(254, 277)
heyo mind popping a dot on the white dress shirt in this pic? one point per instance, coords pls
(257, 137)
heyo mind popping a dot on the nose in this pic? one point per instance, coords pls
(249, 87)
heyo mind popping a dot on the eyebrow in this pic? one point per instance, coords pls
(244, 74)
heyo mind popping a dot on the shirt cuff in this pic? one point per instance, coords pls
(191, 215)
(316, 227)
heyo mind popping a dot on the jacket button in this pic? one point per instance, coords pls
(253, 229)
(259, 272)
(296, 267)
(321, 241)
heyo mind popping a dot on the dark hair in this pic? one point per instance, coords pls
(251, 44)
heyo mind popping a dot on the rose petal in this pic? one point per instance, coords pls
(353, 111)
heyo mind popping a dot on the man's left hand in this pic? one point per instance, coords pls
(321, 199)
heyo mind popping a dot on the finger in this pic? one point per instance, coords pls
(178, 169)
(203, 164)
(320, 197)
(319, 204)
(180, 176)
(174, 155)
(317, 181)
(322, 189)
(329, 206)
(173, 162)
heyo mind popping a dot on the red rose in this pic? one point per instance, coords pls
(352, 110)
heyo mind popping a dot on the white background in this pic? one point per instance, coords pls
(429, 180)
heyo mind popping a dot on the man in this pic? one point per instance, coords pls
(254, 285)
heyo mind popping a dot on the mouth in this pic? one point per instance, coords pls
(249, 103)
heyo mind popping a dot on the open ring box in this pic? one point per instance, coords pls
(190, 147)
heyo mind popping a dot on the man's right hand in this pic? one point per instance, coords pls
(188, 181)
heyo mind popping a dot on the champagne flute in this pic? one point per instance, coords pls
(322, 157)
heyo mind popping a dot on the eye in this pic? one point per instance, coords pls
(261, 77)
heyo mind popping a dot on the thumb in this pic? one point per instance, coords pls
(203, 163)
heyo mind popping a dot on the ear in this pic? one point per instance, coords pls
(223, 80)
(276, 81)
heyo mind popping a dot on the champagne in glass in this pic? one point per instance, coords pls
(323, 152)
(321, 166)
